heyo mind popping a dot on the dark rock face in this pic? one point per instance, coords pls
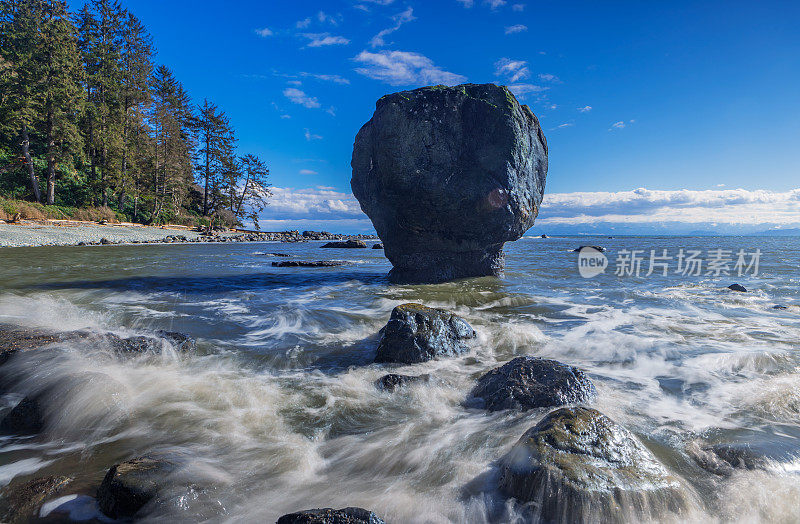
(528, 382)
(577, 465)
(393, 381)
(306, 263)
(25, 418)
(377, 246)
(448, 175)
(128, 486)
(416, 333)
(332, 516)
(21, 502)
(347, 244)
(738, 287)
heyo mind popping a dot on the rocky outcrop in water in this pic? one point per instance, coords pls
(724, 459)
(577, 465)
(129, 486)
(307, 263)
(347, 244)
(448, 175)
(332, 516)
(377, 246)
(24, 418)
(393, 381)
(416, 333)
(738, 287)
(528, 382)
(20, 502)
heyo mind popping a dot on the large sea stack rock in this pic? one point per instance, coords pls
(448, 175)
(416, 333)
(577, 465)
(530, 382)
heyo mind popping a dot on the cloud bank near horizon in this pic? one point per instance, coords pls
(638, 211)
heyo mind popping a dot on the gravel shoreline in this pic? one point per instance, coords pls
(35, 234)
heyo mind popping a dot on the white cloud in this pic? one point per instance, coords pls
(466, 3)
(311, 203)
(311, 136)
(518, 28)
(285, 117)
(518, 7)
(399, 19)
(644, 206)
(324, 17)
(294, 82)
(336, 79)
(511, 70)
(585, 109)
(494, 4)
(402, 68)
(618, 125)
(324, 39)
(520, 90)
(547, 77)
(307, 172)
(298, 96)
(566, 124)
(264, 31)
(302, 24)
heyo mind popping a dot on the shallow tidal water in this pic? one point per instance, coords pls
(278, 411)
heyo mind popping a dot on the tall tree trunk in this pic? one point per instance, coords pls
(26, 152)
(205, 189)
(51, 161)
(244, 194)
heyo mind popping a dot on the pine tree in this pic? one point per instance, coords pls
(20, 30)
(216, 149)
(61, 87)
(254, 193)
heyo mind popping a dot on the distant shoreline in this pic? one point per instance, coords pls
(49, 233)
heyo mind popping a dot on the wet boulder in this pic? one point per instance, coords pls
(448, 175)
(724, 458)
(393, 381)
(577, 465)
(597, 248)
(529, 382)
(24, 418)
(738, 287)
(130, 485)
(332, 516)
(346, 244)
(20, 502)
(416, 333)
(377, 246)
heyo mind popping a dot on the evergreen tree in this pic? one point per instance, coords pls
(21, 85)
(61, 87)
(216, 144)
(254, 192)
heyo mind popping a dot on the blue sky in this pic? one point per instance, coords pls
(667, 96)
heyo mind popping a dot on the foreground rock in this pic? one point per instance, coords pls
(347, 244)
(21, 502)
(332, 516)
(448, 175)
(393, 381)
(416, 333)
(129, 486)
(738, 287)
(306, 263)
(577, 465)
(25, 418)
(528, 382)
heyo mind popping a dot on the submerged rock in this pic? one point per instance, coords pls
(724, 459)
(529, 382)
(332, 516)
(416, 333)
(393, 381)
(448, 175)
(738, 287)
(130, 485)
(21, 502)
(377, 246)
(577, 465)
(346, 244)
(598, 248)
(306, 263)
(24, 418)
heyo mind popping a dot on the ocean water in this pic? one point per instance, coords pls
(277, 410)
